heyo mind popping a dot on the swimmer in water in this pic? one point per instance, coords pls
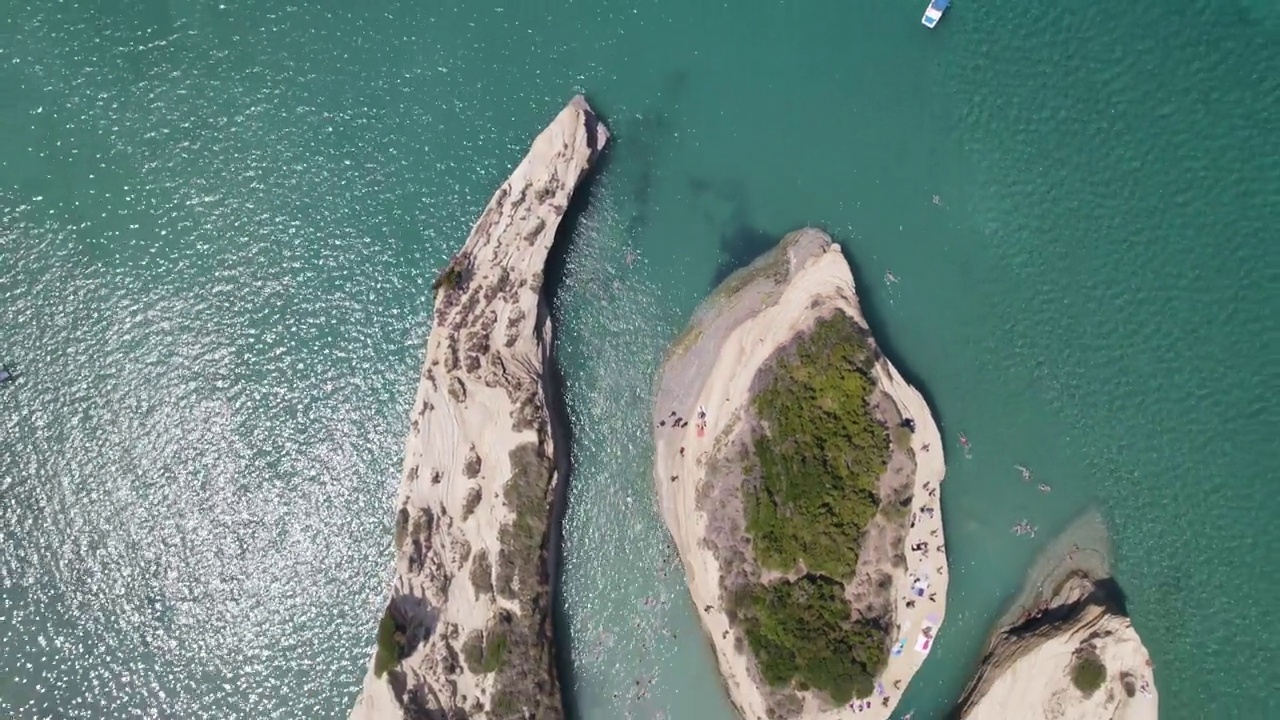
(1044, 488)
(1026, 473)
(1023, 528)
(889, 277)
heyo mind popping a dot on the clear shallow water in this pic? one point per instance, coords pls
(220, 222)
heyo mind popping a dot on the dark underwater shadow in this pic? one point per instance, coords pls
(1110, 594)
(739, 245)
(739, 241)
(645, 137)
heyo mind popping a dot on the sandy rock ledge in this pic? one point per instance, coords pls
(467, 629)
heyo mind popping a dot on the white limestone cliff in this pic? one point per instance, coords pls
(467, 628)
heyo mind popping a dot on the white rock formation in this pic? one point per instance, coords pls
(1027, 672)
(467, 629)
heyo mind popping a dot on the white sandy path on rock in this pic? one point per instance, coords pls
(726, 388)
(1038, 686)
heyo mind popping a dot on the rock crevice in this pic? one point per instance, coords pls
(1074, 656)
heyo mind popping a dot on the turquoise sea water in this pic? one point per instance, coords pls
(219, 222)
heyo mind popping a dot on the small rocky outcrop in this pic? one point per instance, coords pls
(1073, 656)
(466, 631)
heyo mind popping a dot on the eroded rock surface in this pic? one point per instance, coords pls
(467, 628)
(1033, 669)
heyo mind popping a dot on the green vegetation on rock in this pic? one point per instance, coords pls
(453, 274)
(402, 526)
(517, 647)
(484, 655)
(390, 644)
(522, 538)
(804, 631)
(518, 650)
(481, 573)
(471, 502)
(1088, 673)
(818, 454)
(901, 439)
(820, 451)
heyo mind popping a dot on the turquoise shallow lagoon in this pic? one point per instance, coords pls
(219, 222)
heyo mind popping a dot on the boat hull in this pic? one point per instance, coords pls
(933, 13)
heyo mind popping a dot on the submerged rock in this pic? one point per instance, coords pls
(466, 632)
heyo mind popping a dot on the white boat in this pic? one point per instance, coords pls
(933, 13)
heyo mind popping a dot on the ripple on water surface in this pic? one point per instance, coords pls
(624, 594)
(218, 224)
(216, 324)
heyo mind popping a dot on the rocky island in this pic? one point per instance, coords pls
(1066, 650)
(798, 474)
(466, 632)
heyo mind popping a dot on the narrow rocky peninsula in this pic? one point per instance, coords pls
(798, 474)
(467, 630)
(1066, 650)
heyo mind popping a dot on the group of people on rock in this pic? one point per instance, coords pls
(927, 511)
(862, 705)
(677, 422)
